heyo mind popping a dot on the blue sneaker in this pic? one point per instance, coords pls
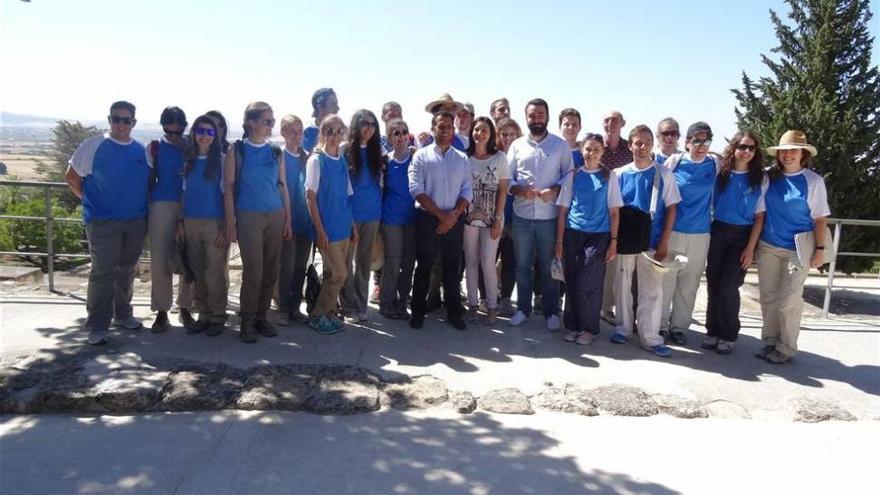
(322, 325)
(660, 350)
(619, 338)
(336, 323)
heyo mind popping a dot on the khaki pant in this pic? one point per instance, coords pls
(259, 240)
(210, 264)
(335, 273)
(355, 292)
(781, 284)
(680, 286)
(650, 283)
(162, 227)
(608, 298)
(114, 247)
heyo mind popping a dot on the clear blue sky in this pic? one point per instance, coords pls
(70, 59)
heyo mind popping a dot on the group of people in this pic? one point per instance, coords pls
(548, 214)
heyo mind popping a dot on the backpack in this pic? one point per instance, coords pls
(313, 283)
(239, 148)
(154, 156)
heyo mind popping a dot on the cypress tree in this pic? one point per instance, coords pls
(821, 81)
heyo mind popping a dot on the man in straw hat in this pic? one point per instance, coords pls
(444, 103)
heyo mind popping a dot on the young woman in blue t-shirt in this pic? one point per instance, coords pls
(739, 217)
(796, 202)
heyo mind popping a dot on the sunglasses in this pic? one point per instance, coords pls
(701, 142)
(670, 134)
(205, 131)
(746, 147)
(116, 119)
(329, 131)
(399, 132)
(173, 133)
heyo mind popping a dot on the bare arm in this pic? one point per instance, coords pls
(748, 254)
(819, 232)
(74, 182)
(321, 235)
(614, 215)
(285, 198)
(668, 222)
(561, 218)
(229, 195)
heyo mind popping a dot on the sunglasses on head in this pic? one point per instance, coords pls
(116, 119)
(400, 132)
(205, 131)
(329, 131)
(746, 147)
(670, 134)
(701, 142)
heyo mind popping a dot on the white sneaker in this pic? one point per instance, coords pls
(97, 337)
(553, 323)
(130, 323)
(518, 319)
(571, 336)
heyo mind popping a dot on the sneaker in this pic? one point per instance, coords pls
(185, 317)
(677, 337)
(491, 317)
(265, 328)
(336, 323)
(585, 338)
(298, 317)
(471, 315)
(362, 317)
(247, 333)
(417, 321)
(322, 325)
(765, 351)
(505, 307)
(777, 357)
(215, 329)
(609, 317)
(161, 323)
(483, 307)
(374, 296)
(724, 347)
(710, 342)
(284, 319)
(97, 337)
(457, 322)
(130, 323)
(351, 319)
(619, 338)
(197, 327)
(538, 304)
(660, 350)
(571, 336)
(401, 315)
(553, 323)
(518, 319)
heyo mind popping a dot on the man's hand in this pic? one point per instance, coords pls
(547, 195)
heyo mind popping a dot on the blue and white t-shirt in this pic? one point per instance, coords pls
(115, 178)
(577, 158)
(696, 182)
(589, 195)
(327, 176)
(739, 202)
(169, 184)
(636, 186)
(793, 202)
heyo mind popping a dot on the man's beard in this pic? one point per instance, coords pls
(537, 128)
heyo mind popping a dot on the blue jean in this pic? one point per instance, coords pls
(531, 238)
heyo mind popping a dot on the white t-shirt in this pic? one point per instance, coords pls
(485, 175)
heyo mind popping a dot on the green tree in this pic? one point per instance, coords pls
(822, 82)
(30, 235)
(67, 137)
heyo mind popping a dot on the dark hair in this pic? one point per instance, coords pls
(491, 146)
(173, 115)
(639, 129)
(445, 114)
(538, 102)
(223, 127)
(319, 99)
(495, 104)
(756, 169)
(777, 170)
(569, 112)
(124, 105)
(391, 124)
(374, 145)
(212, 168)
(592, 136)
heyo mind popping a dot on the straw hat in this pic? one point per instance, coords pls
(793, 140)
(444, 99)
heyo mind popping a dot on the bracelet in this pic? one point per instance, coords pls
(614, 238)
(819, 248)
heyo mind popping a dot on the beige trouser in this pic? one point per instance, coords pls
(210, 264)
(781, 284)
(259, 240)
(335, 273)
(680, 286)
(650, 296)
(162, 226)
(608, 298)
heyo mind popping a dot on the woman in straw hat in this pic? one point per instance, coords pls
(796, 201)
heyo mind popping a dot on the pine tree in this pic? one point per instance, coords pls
(67, 137)
(823, 83)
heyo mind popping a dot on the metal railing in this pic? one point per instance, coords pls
(51, 255)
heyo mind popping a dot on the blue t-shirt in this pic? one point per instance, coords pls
(398, 207)
(793, 202)
(577, 158)
(258, 179)
(588, 211)
(333, 200)
(366, 203)
(115, 178)
(169, 184)
(295, 170)
(203, 197)
(695, 181)
(738, 202)
(636, 186)
(310, 137)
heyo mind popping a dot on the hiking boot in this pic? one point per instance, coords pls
(265, 328)
(161, 323)
(777, 357)
(505, 307)
(491, 317)
(417, 321)
(186, 318)
(215, 329)
(247, 333)
(130, 323)
(709, 342)
(471, 314)
(765, 351)
(197, 327)
(724, 346)
(322, 325)
(97, 337)
(457, 322)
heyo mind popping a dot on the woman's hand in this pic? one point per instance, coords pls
(230, 232)
(559, 250)
(179, 233)
(323, 240)
(746, 258)
(818, 259)
(496, 229)
(611, 253)
(220, 240)
(286, 231)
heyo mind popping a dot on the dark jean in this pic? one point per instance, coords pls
(724, 276)
(584, 256)
(114, 248)
(531, 239)
(295, 254)
(429, 246)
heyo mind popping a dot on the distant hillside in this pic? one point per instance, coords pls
(20, 120)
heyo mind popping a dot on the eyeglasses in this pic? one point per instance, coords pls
(701, 142)
(746, 147)
(116, 119)
(329, 131)
(205, 131)
(172, 133)
(400, 132)
(670, 134)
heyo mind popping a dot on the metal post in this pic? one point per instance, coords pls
(838, 229)
(50, 249)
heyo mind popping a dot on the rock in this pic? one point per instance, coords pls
(124, 383)
(344, 390)
(66, 392)
(19, 391)
(276, 388)
(726, 409)
(623, 400)
(679, 407)
(809, 410)
(202, 389)
(420, 392)
(506, 401)
(555, 399)
(462, 402)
